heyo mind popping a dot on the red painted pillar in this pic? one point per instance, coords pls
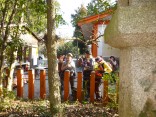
(19, 83)
(94, 46)
(31, 84)
(66, 84)
(42, 84)
(92, 86)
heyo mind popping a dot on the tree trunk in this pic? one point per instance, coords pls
(1, 91)
(53, 79)
(10, 78)
(5, 34)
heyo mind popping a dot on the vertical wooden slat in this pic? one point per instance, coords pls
(19, 83)
(79, 86)
(92, 86)
(42, 84)
(66, 84)
(30, 84)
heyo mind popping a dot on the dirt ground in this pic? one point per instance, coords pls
(40, 108)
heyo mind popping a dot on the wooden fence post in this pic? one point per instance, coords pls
(31, 84)
(79, 86)
(92, 86)
(42, 84)
(66, 84)
(105, 92)
(19, 83)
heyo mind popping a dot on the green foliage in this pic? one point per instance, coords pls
(4, 105)
(58, 16)
(32, 12)
(81, 45)
(79, 14)
(42, 109)
(5, 99)
(8, 94)
(112, 105)
(107, 76)
(12, 47)
(111, 76)
(59, 20)
(11, 17)
(36, 15)
(112, 79)
(7, 10)
(97, 6)
(66, 48)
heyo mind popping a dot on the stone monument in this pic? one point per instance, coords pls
(133, 30)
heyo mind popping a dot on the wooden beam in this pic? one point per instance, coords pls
(94, 18)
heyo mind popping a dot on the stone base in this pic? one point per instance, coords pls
(137, 81)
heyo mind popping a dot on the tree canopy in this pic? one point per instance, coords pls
(66, 48)
(35, 15)
(20, 17)
(97, 6)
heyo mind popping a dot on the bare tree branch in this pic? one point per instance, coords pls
(33, 34)
(91, 39)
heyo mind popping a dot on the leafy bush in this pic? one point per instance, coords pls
(8, 94)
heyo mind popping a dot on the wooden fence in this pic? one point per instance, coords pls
(79, 90)
(31, 80)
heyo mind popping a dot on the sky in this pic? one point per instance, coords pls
(68, 7)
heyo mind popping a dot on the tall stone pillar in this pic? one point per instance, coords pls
(133, 30)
